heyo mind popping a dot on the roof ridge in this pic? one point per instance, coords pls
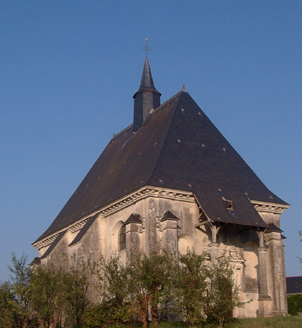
(122, 131)
(167, 131)
(170, 99)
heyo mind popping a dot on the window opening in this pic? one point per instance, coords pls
(122, 238)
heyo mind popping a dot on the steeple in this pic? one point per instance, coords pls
(145, 99)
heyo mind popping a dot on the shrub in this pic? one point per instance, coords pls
(222, 294)
(294, 304)
(113, 287)
(149, 279)
(190, 288)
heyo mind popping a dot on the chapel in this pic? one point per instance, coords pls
(171, 178)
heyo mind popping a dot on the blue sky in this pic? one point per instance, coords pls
(69, 69)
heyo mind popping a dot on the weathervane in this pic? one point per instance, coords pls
(146, 48)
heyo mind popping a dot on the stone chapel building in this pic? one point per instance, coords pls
(172, 178)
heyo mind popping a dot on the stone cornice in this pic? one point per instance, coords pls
(120, 204)
(78, 225)
(46, 241)
(72, 228)
(145, 192)
(269, 207)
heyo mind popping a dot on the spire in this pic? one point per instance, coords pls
(145, 99)
(147, 81)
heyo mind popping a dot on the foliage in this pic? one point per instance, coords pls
(222, 294)
(58, 295)
(76, 283)
(44, 296)
(190, 288)
(150, 283)
(187, 286)
(113, 288)
(294, 304)
(48, 295)
(6, 308)
(275, 322)
(95, 316)
(19, 304)
(204, 292)
(106, 313)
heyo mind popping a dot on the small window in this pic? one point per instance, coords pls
(122, 238)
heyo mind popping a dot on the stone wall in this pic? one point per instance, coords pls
(171, 220)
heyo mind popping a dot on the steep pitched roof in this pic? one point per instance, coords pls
(169, 216)
(178, 147)
(145, 99)
(147, 80)
(133, 218)
(294, 285)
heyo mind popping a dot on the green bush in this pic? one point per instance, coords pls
(294, 304)
(160, 284)
(106, 313)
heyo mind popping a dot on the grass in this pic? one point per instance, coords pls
(277, 322)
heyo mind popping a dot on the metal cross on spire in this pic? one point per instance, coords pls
(146, 48)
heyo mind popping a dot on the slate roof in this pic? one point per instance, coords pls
(178, 147)
(147, 83)
(54, 243)
(84, 229)
(294, 285)
(145, 99)
(169, 216)
(133, 218)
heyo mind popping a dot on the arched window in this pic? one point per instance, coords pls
(122, 238)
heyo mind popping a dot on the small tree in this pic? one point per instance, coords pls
(190, 288)
(48, 295)
(76, 282)
(59, 295)
(7, 314)
(20, 303)
(222, 293)
(150, 282)
(113, 288)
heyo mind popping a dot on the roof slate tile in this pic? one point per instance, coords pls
(178, 147)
